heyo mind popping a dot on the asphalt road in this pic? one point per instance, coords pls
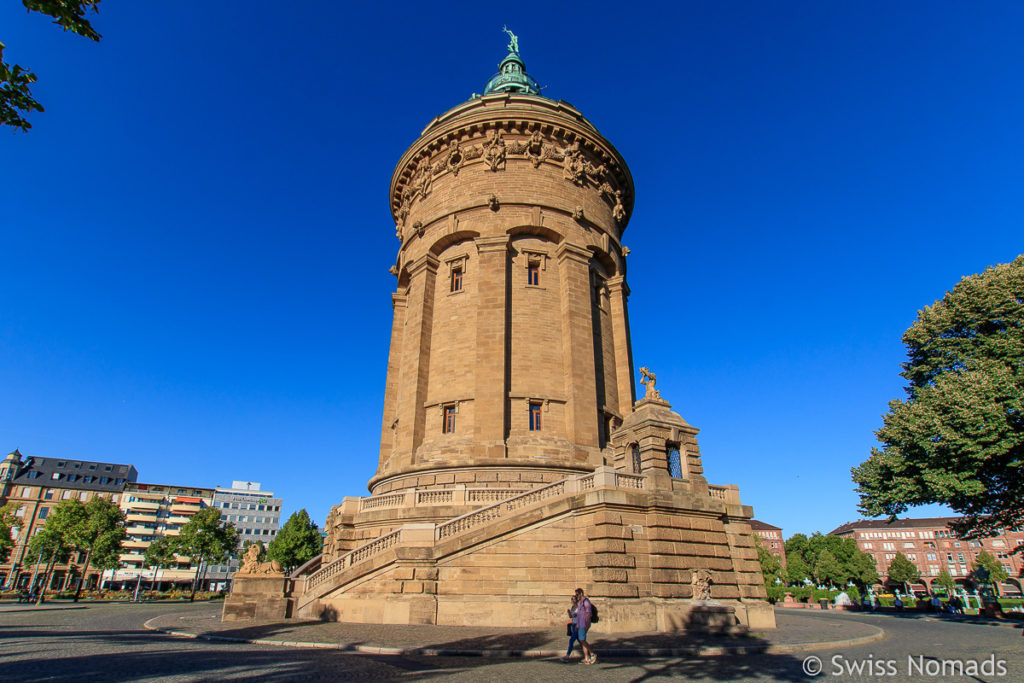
(106, 642)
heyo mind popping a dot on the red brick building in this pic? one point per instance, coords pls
(771, 538)
(931, 545)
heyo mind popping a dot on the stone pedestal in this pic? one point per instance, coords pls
(257, 598)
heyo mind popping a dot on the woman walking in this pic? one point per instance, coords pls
(570, 628)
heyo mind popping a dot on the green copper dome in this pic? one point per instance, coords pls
(512, 76)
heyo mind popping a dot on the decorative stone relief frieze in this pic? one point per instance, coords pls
(494, 151)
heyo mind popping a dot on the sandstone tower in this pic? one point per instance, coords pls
(515, 463)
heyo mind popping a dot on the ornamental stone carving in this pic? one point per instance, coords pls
(251, 565)
(700, 582)
(576, 159)
(649, 379)
(494, 154)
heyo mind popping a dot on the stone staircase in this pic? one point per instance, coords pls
(443, 538)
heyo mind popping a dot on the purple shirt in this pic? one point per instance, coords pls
(583, 612)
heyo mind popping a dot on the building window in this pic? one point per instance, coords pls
(43, 512)
(533, 273)
(457, 279)
(675, 463)
(534, 417)
(448, 426)
(48, 495)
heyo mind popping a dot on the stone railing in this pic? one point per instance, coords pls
(390, 501)
(726, 494)
(359, 554)
(457, 495)
(427, 533)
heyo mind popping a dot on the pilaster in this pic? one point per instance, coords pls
(490, 421)
(389, 426)
(412, 389)
(578, 346)
(618, 294)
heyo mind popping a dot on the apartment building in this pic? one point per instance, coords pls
(36, 485)
(931, 545)
(771, 538)
(153, 511)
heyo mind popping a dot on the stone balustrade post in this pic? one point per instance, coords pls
(417, 534)
(604, 477)
(410, 499)
(459, 494)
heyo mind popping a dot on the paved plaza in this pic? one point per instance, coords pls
(108, 642)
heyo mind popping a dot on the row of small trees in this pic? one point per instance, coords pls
(97, 529)
(835, 561)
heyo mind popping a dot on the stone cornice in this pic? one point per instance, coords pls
(539, 130)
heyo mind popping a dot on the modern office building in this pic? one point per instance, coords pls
(36, 485)
(254, 512)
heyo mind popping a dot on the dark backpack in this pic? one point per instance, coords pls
(594, 618)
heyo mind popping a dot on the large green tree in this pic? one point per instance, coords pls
(828, 570)
(15, 81)
(8, 521)
(996, 573)
(159, 554)
(863, 569)
(945, 579)
(297, 542)
(99, 536)
(204, 539)
(58, 538)
(903, 571)
(958, 437)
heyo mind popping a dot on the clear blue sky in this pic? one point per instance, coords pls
(195, 235)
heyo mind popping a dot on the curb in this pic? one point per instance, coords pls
(788, 648)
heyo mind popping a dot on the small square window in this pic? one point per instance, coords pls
(456, 279)
(535, 417)
(448, 427)
(533, 273)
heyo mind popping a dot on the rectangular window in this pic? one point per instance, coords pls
(533, 273)
(43, 512)
(48, 495)
(456, 279)
(535, 417)
(448, 426)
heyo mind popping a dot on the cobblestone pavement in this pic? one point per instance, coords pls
(106, 642)
(795, 630)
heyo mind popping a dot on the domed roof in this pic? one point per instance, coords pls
(512, 76)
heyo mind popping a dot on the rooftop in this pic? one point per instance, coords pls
(923, 522)
(758, 525)
(85, 475)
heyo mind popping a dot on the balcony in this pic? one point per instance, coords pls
(140, 517)
(140, 531)
(142, 506)
(178, 519)
(184, 508)
(132, 557)
(135, 543)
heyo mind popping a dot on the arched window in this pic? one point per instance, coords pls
(635, 454)
(675, 463)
